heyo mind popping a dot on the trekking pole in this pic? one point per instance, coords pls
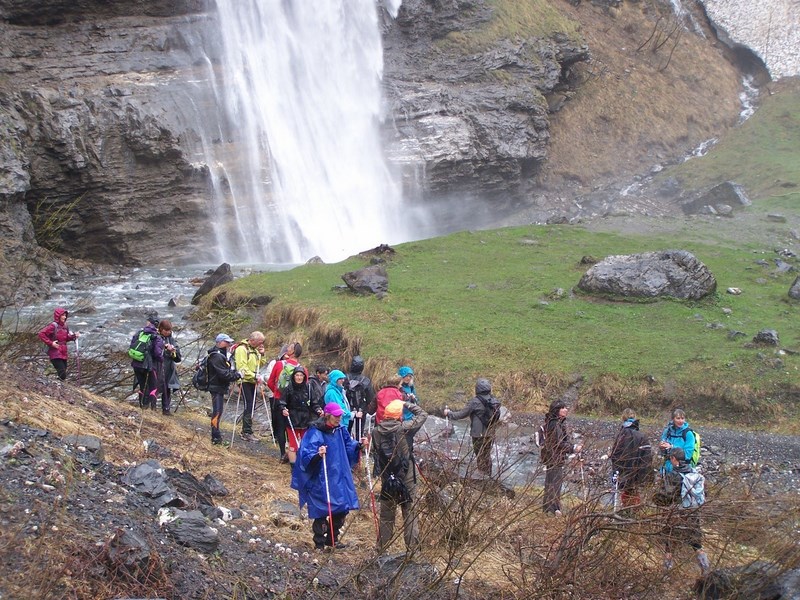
(269, 417)
(328, 497)
(78, 360)
(144, 398)
(615, 479)
(447, 428)
(294, 433)
(583, 478)
(369, 480)
(236, 414)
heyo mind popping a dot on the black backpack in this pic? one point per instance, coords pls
(355, 393)
(395, 468)
(200, 377)
(491, 411)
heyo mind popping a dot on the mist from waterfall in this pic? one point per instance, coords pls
(296, 160)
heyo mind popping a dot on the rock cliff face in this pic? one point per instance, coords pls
(96, 129)
(468, 122)
(100, 105)
(91, 141)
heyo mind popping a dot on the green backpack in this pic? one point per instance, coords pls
(285, 378)
(140, 346)
(695, 457)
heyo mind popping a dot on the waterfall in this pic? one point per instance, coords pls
(296, 159)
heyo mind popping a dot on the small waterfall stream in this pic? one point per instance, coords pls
(296, 159)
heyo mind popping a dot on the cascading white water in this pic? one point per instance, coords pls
(298, 159)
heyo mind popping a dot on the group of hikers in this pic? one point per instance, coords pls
(328, 422)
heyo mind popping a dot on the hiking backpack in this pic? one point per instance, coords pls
(395, 468)
(355, 392)
(285, 376)
(140, 347)
(200, 377)
(693, 489)
(694, 459)
(491, 411)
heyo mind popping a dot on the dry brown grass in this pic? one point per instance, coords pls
(630, 112)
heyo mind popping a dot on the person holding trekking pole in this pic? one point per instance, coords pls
(147, 356)
(327, 488)
(55, 336)
(220, 376)
(248, 356)
(394, 464)
(297, 408)
(483, 411)
(172, 355)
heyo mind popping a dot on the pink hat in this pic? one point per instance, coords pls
(333, 409)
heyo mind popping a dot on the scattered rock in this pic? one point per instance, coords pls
(215, 486)
(734, 291)
(775, 218)
(150, 480)
(721, 199)
(768, 337)
(794, 291)
(190, 528)
(89, 443)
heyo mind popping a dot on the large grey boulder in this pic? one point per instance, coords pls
(369, 280)
(670, 273)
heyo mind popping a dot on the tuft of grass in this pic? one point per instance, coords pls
(515, 20)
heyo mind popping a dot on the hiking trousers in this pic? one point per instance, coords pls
(148, 387)
(482, 447)
(388, 513)
(217, 404)
(553, 480)
(248, 391)
(60, 365)
(321, 529)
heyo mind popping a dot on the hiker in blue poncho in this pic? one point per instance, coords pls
(335, 393)
(676, 435)
(328, 500)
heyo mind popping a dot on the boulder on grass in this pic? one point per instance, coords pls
(671, 273)
(220, 276)
(369, 280)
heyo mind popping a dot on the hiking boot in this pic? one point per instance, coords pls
(249, 437)
(284, 459)
(702, 560)
(342, 546)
